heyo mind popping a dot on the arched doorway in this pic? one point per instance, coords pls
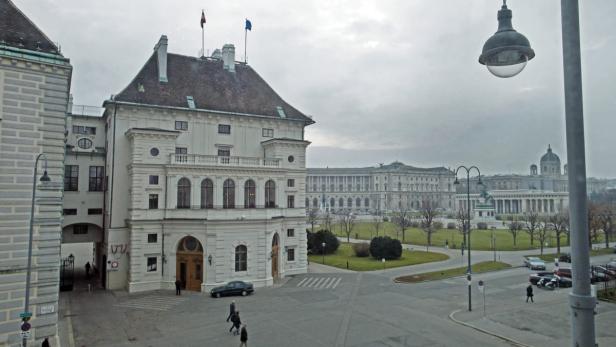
(275, 251)
(189, 263)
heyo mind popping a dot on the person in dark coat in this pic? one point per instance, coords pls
(236, 323)
(529, 293)
(244, 337)
(88, 267)
(46, 343)
(231, 310)
(178, 286)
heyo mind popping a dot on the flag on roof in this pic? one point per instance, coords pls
(202, 18)
(248, 25)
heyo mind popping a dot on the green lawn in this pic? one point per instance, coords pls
(607, 294)
(551, 256)
(459, 271)
(345, 254)
(480, 239)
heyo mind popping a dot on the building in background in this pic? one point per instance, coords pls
(35, 81)
(205, 169)
(381, 189)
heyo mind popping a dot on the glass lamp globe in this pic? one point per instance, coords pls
(507, 63)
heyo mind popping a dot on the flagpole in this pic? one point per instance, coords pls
(245, 39)
(202, 37)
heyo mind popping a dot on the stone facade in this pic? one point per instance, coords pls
(517, 202)
(34, 86)
(382, 189)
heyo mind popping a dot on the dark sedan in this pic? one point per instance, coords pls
(233, 288)
(562, 282)
(534, 278)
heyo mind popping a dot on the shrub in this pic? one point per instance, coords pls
(498, 217)
(482, 226)
(315, 241)
(385, 219)
(361, 249)
(451, 225)
(437, 225)
(414, 224)
(385, 247)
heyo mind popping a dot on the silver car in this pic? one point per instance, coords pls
(534, 263)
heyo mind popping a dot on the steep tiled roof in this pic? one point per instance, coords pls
(16, 30)
(211, 86)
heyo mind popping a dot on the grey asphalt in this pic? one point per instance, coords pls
(331, 309)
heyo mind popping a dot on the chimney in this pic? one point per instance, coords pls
(161, 55)
(217, 54)
(228, 57)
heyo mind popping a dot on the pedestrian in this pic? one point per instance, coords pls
(446, 244)
(88, 266)
(46, 343)
(178, 286)
(244, 337)
(529, 293)
(236, 323)
(231, 310)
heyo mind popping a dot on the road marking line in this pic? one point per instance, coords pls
(320, 282)
(313, 283)
(145, 307)
(302, 281)
(338, 281)
(328, 282)
(310, 282)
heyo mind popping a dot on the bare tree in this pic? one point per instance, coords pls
(514, 229)
(313, 218)
(377, 222)
(559, 223)
(531, 221)
(402, 220)
(605, 217)
(543, 231)
(327, 221)
(346, 220)
(594, 223)
(463, 223)
(428, 213)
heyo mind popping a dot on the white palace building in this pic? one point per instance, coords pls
(195, 171)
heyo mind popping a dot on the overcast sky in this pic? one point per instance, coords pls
(385, 80)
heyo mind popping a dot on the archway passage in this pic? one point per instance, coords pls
(275, 251)
(189, 263)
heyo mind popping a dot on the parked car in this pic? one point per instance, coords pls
(534, 263)
(563, 272)
(233, 288)
(565, 258)
(597, 275)
(534, 278)
(611, 265)
(553, 281)
(609, 272)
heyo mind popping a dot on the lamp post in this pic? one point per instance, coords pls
(467, 225)
(510, 53)
(44, 179)
(323, 251)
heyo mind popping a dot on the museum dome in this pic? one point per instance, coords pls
(550, 156)
(550, 163)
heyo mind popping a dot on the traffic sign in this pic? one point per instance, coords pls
(25, 315)
(480, 285)
(25, 334)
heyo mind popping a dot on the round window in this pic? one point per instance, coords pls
(291, 159)
(84, 143)
(154, 151)
(190, 244)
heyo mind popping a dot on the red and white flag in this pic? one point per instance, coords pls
(202, 18)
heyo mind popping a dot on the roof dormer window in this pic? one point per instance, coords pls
(281, 112)
(190, 101)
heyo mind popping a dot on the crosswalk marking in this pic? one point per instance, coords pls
(151, 302)
(319, 282)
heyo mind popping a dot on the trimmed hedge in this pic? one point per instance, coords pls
(437, 225)
(451, 225)
(385, 247)
(361, 249)
(414, 224)
(482, 226)
(315, 241)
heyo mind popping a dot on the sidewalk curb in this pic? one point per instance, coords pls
(510, 340)
(445, 278)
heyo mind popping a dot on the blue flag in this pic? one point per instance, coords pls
(248, 25)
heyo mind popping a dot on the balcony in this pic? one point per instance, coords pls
(214, 160)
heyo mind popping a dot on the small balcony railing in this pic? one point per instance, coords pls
(214, 160)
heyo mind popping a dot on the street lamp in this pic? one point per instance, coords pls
(581, 300)
(467, 225)
(323, 251)
(45, 178)
(506, 53)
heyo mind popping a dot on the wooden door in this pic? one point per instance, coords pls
(190, 271)
(275, 261)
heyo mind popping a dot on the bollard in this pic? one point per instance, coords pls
(347, 264)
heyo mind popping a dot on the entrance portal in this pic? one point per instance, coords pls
(189, 263)
(275, 250)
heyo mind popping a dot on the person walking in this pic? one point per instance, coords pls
(236, 323)
(244, 337)
(231, 310)
(88, 267)
(529, 293)
(178, 286)
(46, 343)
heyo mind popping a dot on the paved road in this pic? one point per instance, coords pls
(335, 309)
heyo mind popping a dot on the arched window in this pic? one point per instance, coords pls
(207, 193)
(250, 195)
(241, 254)
(315, 202)
(332, 203)
(307, 204)
(228, 194)
(270, 194)
(367, 202)
(183, 193)
(341, 202)
(350, 202)
(358, 202)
